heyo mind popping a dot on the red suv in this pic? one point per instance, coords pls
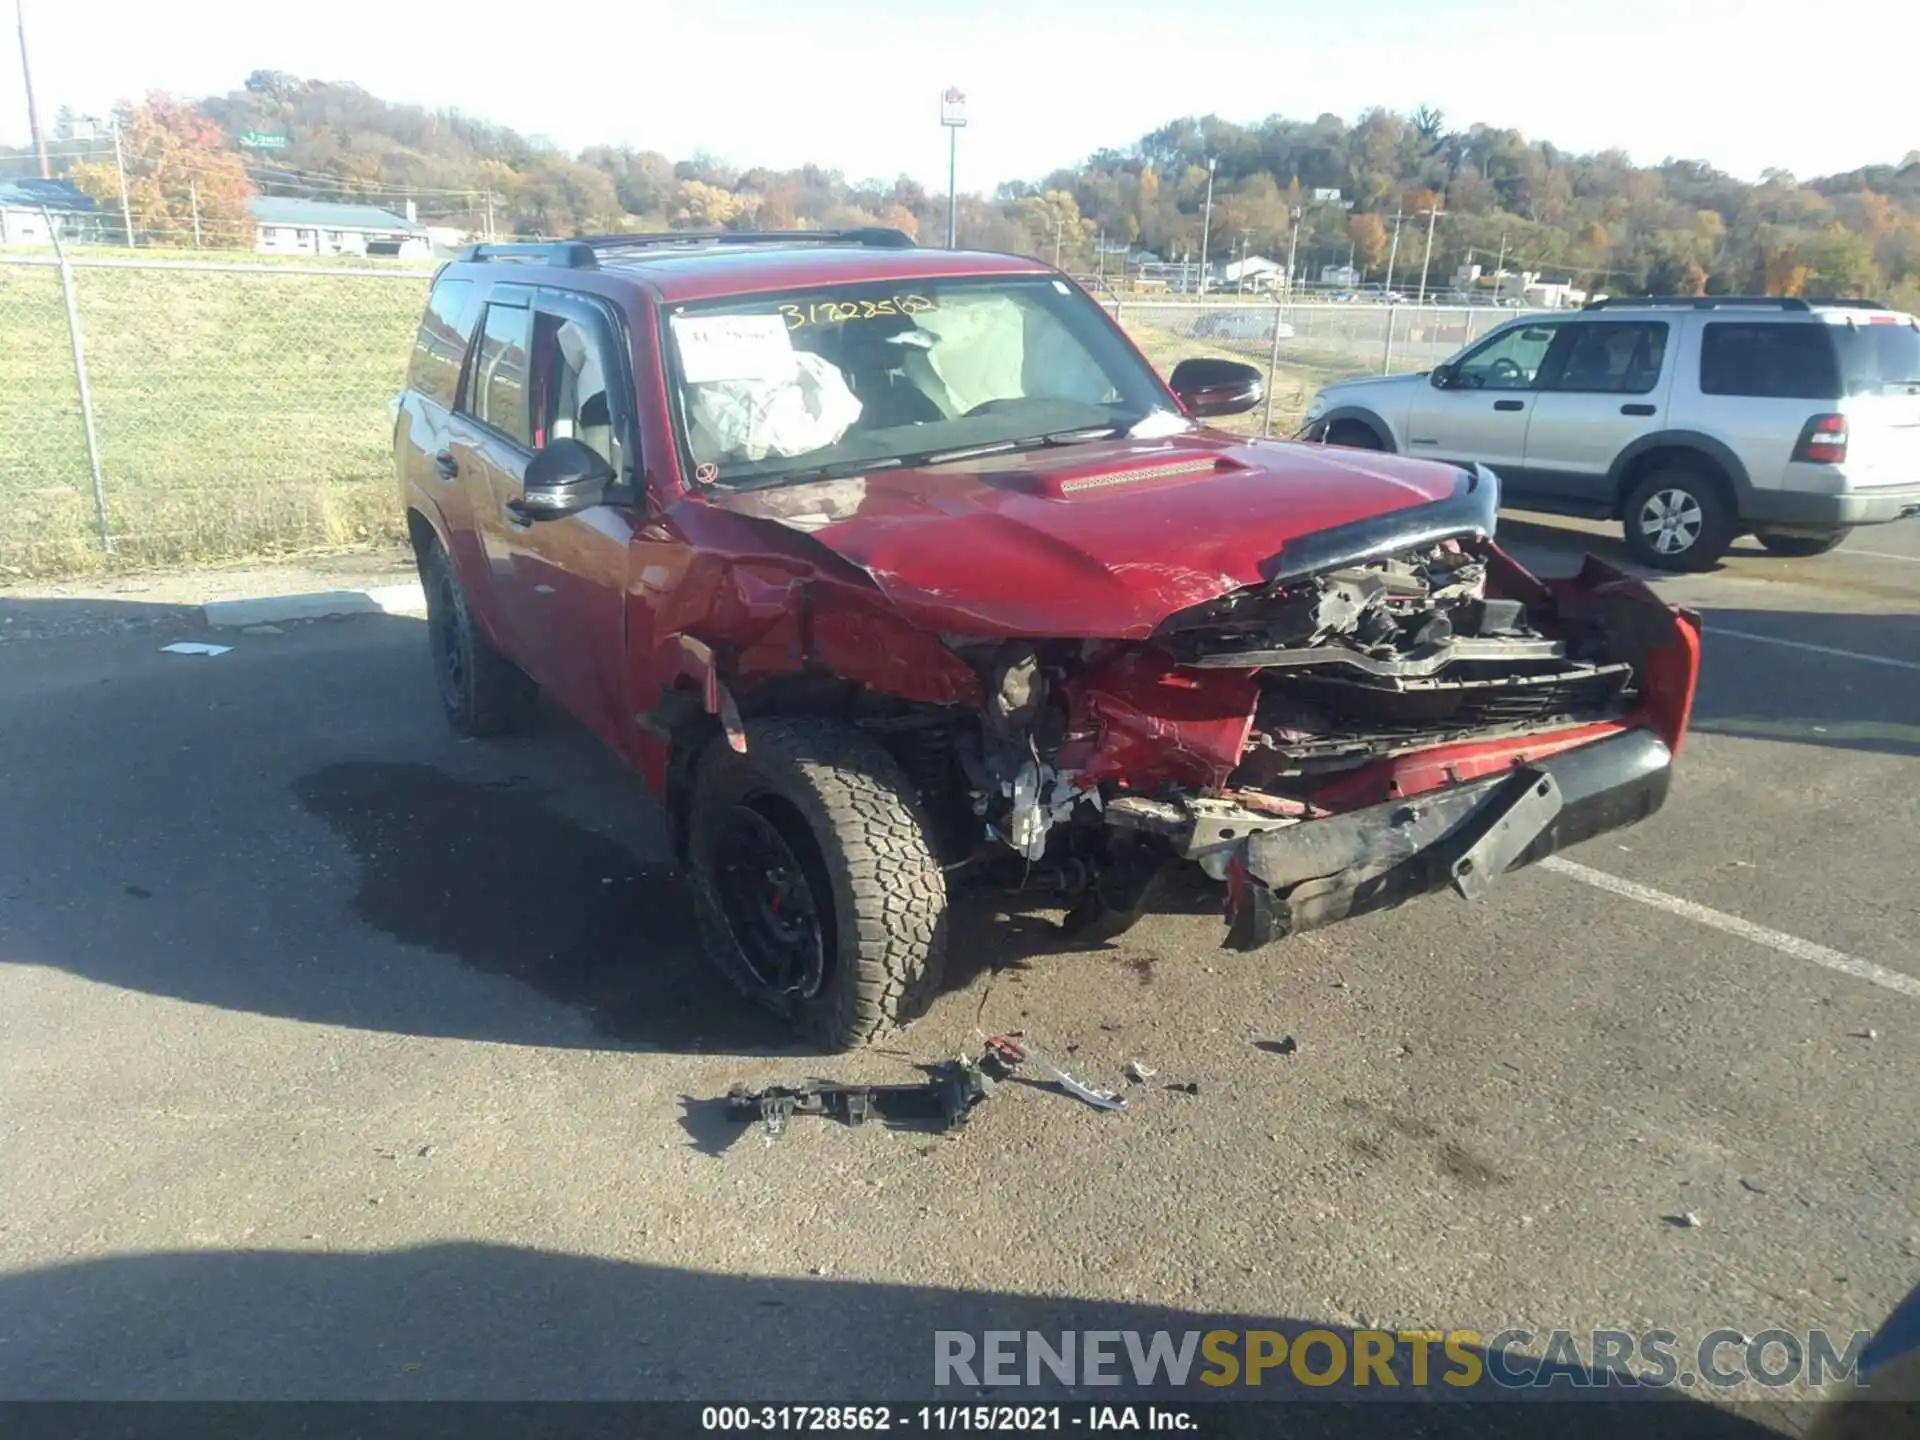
(895, 570)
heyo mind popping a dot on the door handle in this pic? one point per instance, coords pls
(448, 464)
(1509, 404)
(1639, 410)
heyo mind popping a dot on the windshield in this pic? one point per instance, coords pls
(841, 379)
(1878, 353)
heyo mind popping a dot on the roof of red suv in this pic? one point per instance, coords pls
(703, 272)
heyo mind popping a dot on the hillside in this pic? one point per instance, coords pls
(1595, 219)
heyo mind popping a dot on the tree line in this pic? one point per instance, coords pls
(1326, 191)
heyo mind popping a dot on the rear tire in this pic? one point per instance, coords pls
(482, 692)
(1678, 520)
(1798, 547)
(820, 893)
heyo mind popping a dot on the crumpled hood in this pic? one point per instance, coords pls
(1100, 540)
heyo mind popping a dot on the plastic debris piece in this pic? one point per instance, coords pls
(194, 647)
(1065, 1079)
(1137, 1072)
(1685, 1220)
(1185, 1087)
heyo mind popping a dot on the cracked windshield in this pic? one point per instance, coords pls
(804, 384)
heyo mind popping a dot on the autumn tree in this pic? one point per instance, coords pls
(179, 171)
(1368, 232)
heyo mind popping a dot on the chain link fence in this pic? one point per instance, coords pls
(242, 409)
(236, 409)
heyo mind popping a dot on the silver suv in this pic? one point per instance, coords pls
(1692, 421)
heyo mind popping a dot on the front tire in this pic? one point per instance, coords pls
(1353, 435)
(1798, 547)
(820, 894)
(482, 692)
(1678, 520)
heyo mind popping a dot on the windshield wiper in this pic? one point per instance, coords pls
(842, 469)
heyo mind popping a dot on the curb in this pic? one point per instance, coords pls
(406, 599)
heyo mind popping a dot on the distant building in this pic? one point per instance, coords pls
(288, 226)
(1253, 272)
(1339, 275)
(26, 204)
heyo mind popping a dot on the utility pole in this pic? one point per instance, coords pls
(1500, 266)
(1393, 253)
(120, 165)
(193, 199)
(1432, 215)
(489, 214)
(26, 74)
(1293, 246)
(1206, 224)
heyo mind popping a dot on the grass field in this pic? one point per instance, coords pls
(236, 413)
(244, 411)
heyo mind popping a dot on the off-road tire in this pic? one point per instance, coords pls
(482, 692)
(1711, 534)
(1799, 547)
(872, 852)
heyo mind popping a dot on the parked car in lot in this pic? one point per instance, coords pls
(1692, 421)
(1236, 324)
(895, 571)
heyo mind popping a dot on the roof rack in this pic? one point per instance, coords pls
(1703, 302)
(583, 252)
(1848, 304)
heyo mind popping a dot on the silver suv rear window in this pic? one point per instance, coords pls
(1877, 355)
(1772, 360)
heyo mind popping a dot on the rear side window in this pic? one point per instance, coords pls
(1614, 357)
(1775, 362)
(497, 388)
(1877, 355)
(442, 343)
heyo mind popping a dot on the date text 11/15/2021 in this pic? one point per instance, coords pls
(936, 1419)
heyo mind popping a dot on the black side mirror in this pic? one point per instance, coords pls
(1440, 377)
(564, 477)
(1217, 387)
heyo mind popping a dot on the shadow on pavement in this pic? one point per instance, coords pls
(291, 829)
(475, 1321)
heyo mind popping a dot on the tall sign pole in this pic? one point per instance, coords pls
(953, 115)
(26, 74)
(1206, 224)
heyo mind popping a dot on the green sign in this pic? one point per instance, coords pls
(256, 140)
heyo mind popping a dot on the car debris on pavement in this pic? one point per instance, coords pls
(194, 647)
(948, 1094)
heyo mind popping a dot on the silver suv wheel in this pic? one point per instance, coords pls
(1671, 520)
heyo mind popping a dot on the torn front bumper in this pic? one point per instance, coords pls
(1285, 880)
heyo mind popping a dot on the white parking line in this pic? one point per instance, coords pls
(1861, 656)
(1878, 555)
(1733, 925)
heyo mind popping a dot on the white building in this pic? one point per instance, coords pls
(1253, 272)
(285, 225)
(26, 204)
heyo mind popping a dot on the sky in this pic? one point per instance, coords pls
(856, 87)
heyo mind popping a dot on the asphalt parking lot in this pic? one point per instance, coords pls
(340, 1058)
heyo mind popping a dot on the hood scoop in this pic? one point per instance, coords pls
(1071, 484)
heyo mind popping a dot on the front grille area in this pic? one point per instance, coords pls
(1346, 705)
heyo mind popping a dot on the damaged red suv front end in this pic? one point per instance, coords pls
(1311, 673)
